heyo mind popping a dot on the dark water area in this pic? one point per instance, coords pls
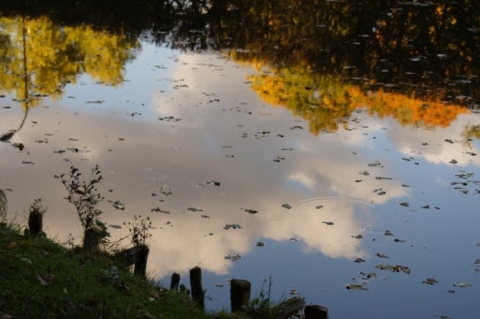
(328, 146)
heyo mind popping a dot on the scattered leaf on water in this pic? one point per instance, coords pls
(462, 284)
(399, 240)
(328, 223)
(118, 205)
(250, 211)
(356, 287)
(374, 164)
(404, 204)
(359, 260)
(115, 226)
(193, 209)
(159, 210)
(430, 281)
(18, 146)
(232, 226)
(233, 258)
(388, 233)
(381, 255)
(260, 244)
(319, 206)
(293, 239)
(287, 206)
(396, 268)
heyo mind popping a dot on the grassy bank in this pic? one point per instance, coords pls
(42, 279)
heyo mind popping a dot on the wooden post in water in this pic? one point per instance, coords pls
(196, 285)
(175, 281)
(140, 267)
(316, 312)
(239, 294)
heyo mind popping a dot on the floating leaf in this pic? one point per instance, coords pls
(287, 206)
(233, 258)
(118, 205)
(356, 287)
(381, 255)
(233, 226)
(462, 284)
(374, 164)
(328, 223)
(430, 281)
(250, 211)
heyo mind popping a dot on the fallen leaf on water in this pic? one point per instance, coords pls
(462, 284)
(260, 244)
(396, 268)
(430, 281)
(287, 206)
(193, 209)
(233, 226)
(388, 233)
(381, 255)
(250, 211)
(356, 287)
(328, 223)
(115, 226)
(233, 258)
(118, 205)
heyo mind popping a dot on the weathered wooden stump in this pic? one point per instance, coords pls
(175, 281)
(239, 294)
(140, 267)
(129, 256)
(198, 295)
(35, 222)
(316, 312)
(91, 239)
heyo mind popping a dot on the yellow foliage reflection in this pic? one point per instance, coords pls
(326, 102)
(38, 58)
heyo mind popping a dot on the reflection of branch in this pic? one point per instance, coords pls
(8, 136)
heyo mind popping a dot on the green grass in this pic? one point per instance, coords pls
(84, 285)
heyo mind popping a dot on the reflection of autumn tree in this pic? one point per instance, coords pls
(414, 47)
(471, 132)
(326, 102)
(44, 57)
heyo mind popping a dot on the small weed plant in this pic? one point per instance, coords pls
(84, 195)
(139, 230)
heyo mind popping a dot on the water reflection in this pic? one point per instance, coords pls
(183, 138)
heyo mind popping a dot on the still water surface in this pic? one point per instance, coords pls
(187, 141)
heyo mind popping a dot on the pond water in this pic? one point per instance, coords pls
(237, 181)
